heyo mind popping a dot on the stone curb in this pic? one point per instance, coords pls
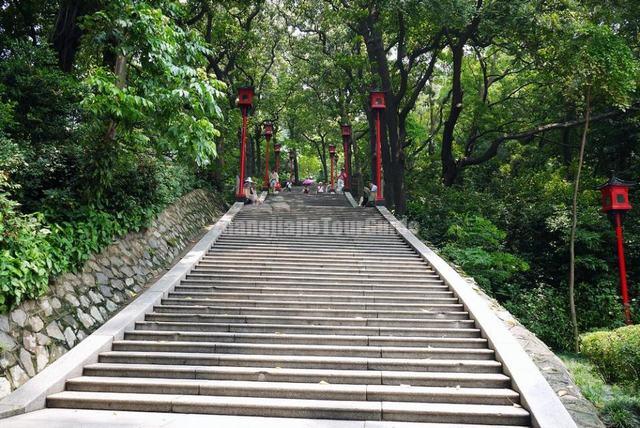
(32, 395)
(537, 396)
(350, 199)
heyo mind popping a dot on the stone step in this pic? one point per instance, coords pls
(304, 321)
(245, 258)
(333, 266)
(302, 361)
(343, 297)
(341, 350)
(285, 303)
(384, 240)
(279, 407)
(262, 374)
(310, 251)
(192, 309)
(334, 286)
(314, 339)
(338, 240)
(337, 243)
(305, 287)
(344, 278)
(326, 272)
(309, 329)
(306, 391)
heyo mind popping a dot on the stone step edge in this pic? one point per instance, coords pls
(356, 410)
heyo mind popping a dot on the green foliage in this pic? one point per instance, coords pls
(24, 262)
(622, 412)
(616, 354)
(477, 245)
(618, 407)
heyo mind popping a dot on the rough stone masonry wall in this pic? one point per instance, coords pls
(37, 332)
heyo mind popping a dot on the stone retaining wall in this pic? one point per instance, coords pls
(38, 332)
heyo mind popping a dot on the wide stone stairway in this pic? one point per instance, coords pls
(306, 308)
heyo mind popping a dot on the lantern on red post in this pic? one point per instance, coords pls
(245, 102)
(277, 148)
(377, 100)
(268, 132)
(332, 155)
(615, 202)
(346, 146)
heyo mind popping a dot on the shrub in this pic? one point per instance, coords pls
(477, 245)
(622, 412)
(24, 250)
(616, 354)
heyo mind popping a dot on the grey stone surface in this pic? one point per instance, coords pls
(29, 342)
(85, 319)
(26, 362)
(70, 337)
(19, 317)
(18, 376)
(42, 358)
(53, 330)
(5, 387)
(7, 343)
(4, 323)
(96, 315)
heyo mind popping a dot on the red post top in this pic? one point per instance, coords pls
(268, 129)
(292, 155)
(277, 147)
(245, 96)
(332, 150)
(377, 99)
(346, 130)
(615, 195)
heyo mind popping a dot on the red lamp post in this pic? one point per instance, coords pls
(346, 140)
(277, 148)
(332, 155)
(245, 102)
(377, 99)
(615, 202)
(268, 132)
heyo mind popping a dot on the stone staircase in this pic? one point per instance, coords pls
(306, 308)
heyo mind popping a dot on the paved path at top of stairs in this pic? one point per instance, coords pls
(306, 308)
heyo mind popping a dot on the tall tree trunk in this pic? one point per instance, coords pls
(449, 166)
(574, 224)
(67, 32)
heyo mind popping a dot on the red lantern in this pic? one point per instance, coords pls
(332, 150)
(268, 129)
(377, 99)
(615, 195)
(346, 130)
(277, 147)
(245, 96)
(615, 202)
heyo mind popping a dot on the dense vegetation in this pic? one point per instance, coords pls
(109, 110)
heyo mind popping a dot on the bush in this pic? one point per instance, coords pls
(616, 354)
(477, 245)
(622, 412)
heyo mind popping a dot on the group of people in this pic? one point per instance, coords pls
(251, 195)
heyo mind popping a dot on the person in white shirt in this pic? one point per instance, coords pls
(370, 193)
